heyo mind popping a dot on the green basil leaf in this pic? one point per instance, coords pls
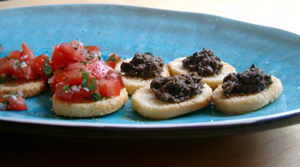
(20, 68)
(47, 68)
(93, 84)
(113, 58)
(85, 62)
(6, 96)
(85, 79)
(66, 88)
(96, 96)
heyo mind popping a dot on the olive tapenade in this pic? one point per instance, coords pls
(177, 88)
(204, 63)
(143, 65)
(250, 81)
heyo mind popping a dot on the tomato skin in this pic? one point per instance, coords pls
(17, 103)
(27, 53)
(71, 52)
(37, 64)
(112, 60)
(98, 69)
(14, 54)
(29, 72)
(58, 60)
(8, 66)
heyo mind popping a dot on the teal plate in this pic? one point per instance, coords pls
(168, 34)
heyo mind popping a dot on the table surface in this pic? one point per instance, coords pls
(278, 147)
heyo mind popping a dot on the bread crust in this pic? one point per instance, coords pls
(133, 83)
(239, 104)
(145, 103)
(89, 109)
(29, 88)
(214, 81)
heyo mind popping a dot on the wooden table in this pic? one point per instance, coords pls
(278, 147)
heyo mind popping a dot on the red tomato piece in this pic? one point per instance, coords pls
(27, 53)
(37, 64)
(58, 60)
(14, 54)
(71, 52)
(15, 103)
(28, 71)
(112, 60)
(8, 66)
(98, 69)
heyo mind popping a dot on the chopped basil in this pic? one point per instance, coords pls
(66, 78)
(12, 92)
(85, 62)
(47, 68)
(20, 68)
(93, 84)
(96, 96)
(113, 58)
(89, 56)
(85, 79)
(6, 96)
(77, 76)
(66, 88)
(99, 58)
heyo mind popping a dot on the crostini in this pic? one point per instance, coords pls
(140, 70)
(172, 96)
(22, 71)
(246, 92)
(210, 68)
(82, 85)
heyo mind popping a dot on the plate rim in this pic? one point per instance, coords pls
(214, 124)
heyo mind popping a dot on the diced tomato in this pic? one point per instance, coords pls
(27, 53)
(112, 60)
(98, 69)
(58, 60)
(37, 64)
(112, 85)
(14, 54)
(75, 43)
(74, 53)
(8, 66)
(14, 103)
(74, 93)
(28, 71)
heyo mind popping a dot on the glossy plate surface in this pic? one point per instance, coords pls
(126, 30)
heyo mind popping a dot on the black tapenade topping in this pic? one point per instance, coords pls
(250, 81)
(177, 88)
(204, 63)
(143, 65)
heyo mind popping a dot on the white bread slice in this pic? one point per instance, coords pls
(134, 83)
(145, 103)
(239, 104)
(214, 81)
(89, 109)
(29, 88)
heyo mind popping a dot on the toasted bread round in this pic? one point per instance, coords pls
(145, 103)
(89, 109)
(239, 103)
(133, 83)
(29, 88)
(214, 81)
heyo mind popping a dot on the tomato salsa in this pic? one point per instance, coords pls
(24, 65)
(12, 101)
(81, 75)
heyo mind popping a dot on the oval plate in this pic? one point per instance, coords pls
(126, 30)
